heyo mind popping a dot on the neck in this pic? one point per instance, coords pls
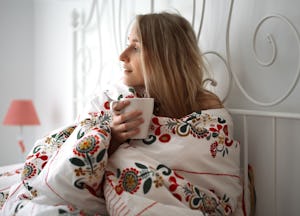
(140, 91)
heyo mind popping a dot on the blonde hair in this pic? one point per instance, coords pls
(172, 63)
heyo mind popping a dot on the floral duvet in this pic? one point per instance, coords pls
(186, 166)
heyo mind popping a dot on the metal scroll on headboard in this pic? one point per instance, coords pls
(252, 49)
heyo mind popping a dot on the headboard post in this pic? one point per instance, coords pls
(75, 24)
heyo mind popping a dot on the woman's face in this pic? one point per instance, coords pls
(131, 58)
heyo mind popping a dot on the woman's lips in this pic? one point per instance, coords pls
(127, 71)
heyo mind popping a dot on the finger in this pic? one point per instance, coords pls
(117, 113)
(120, 133)
(132, 115)
(128, 125)
(120, 105)
(127, 117)
(131, 125)
(128, 134)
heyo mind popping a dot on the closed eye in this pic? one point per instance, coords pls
(132, 47)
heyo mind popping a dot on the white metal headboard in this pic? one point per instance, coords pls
(105, 22)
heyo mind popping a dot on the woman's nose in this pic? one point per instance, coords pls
(124, 56)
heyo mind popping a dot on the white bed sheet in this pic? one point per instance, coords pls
(9, 174)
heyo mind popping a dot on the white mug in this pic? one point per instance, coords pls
(145, 105)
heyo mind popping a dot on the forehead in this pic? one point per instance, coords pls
(133, 36)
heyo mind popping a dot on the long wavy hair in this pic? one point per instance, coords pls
(172, 63)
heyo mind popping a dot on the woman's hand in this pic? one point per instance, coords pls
(123, 125)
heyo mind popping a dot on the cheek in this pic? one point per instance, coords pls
(141, 80)
(137, 79)
(139, 72)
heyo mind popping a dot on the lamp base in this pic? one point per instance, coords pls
(21, 145)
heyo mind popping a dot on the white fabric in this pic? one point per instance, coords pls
(187, 166)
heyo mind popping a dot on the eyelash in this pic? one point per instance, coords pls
(137, 49)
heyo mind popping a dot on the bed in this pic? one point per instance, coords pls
(262, 123)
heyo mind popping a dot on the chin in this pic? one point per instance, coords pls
(125, 82)
(130, 83)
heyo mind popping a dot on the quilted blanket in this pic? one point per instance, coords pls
(186, 166)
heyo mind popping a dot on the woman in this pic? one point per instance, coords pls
(188, 164)
(163, 61)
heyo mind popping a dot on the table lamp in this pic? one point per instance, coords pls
(21, 113)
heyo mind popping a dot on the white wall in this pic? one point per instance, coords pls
(53, 63)
(16, 69)
(35, 63)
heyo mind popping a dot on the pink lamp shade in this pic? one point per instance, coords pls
(21, 112)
